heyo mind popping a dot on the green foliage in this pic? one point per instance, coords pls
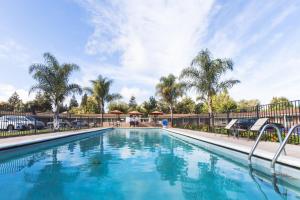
(221, 103)
(42, 102)
(199, 108)
(243, 105)
(163, 107)
(150, 105)
(169, 91)
(89, 107)
(118, 105)
(84, 99)
(73, 103)
(205, 76)
(14, 101)
(63, 108)
(141, 109)
(279, 100)
(100, 90)
(185, 106)
(53, 79)
(280, 103)
(6, 106)
(132, 103)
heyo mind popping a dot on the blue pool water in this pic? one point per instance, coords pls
(128, 164)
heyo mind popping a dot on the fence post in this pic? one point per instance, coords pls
(257, 111)
(35, 126)
(227, 116)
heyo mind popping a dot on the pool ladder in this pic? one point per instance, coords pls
(281, 148)
(262, 131)
(282, 143)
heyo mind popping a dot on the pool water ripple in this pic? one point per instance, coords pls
(129, 164)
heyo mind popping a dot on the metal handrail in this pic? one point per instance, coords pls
(259, 137)
(282, 147)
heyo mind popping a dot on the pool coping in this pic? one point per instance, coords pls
(262, 154)
(14, 142)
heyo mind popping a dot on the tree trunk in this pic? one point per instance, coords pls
(171, 111)
(210, 111)
(56, 118)
(102, 114)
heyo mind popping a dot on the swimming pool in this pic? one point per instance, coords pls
(130, 164)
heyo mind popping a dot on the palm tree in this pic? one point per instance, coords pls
(100, 90)
(53, 80)
(169, 90)
(204, 75)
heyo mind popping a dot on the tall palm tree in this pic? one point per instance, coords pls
(205, 75)
(100, 90)
(169, 90)
(53, 80)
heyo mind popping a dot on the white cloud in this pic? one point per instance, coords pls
(151, 38)
(127, 92)
(6, 90)
(13, 54)
(15, 58)
(262, 47)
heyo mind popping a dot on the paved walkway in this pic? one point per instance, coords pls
(24, 140)
(264, 149)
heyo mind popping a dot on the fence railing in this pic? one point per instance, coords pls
(284, 115)
(13, 123)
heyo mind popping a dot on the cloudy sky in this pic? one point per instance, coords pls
(134, 42)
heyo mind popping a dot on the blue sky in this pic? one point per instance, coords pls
(136, 42)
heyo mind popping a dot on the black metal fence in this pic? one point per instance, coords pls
(14, 123)
(284, 115)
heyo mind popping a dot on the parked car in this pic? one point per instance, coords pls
(62, 124)
(32, 122)
(11, 122)
(79, 123)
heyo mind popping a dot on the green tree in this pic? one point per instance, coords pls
(118, 105)
(53, 79)
(163, 107)
(101, 91)
(199, 108)
(185, 106)
(169, 91)
(150, 105)
(244, 105)
(280, 103)
(132, 103)
(14, 101)
(141, 109)
(205, 76)
(73, 103)
(42, 102)
(92, 106)
(222, 103)
(5, 106)
(83, 102)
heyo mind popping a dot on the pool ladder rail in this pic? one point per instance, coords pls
(282, 143)
(281, 148)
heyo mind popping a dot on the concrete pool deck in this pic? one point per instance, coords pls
(6, 143)
(264, 149)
